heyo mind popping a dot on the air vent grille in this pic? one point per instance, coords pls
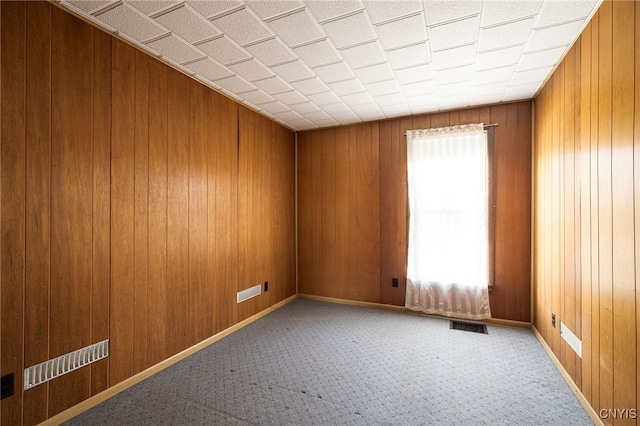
(249, 293)
(468, 326)
(64, 364)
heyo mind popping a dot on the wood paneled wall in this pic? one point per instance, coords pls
(353, 207)
(136, 202)
(587, 209)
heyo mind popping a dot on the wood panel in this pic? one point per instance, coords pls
(622, 153)
(141, 212)
(12, 220)
(121, 329)
(199, 135)
(101, 203)
(605, 205)
(157, 268)
(596, 278)
(38, 194)
(71, 202)
(177, 321)
(636, 174)
(223, 219)
(584, 167)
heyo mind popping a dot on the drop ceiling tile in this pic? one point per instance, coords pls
(242, 26)
(132, 23)
(539, 59)
(319, 53)
(317, 115)
(357, 99)
(410, 56)
(223, 50)
(287, 116)
(495, 75)
(251, 70)
(302, 124)
(454, 34)
(418, 89)
(209, 69)
(293, 71)
(491, 89)
(150, 7)
(305, 108)
(351, 30)
(346, 118)
(297, 28)
(383, 88)
(375, 73)
(271, 52)
(414, 74)
(90, 5)
(324, 10)
(269, 9)
(557, 35)
(555, 12)
(175, 49)
(290, 98)
(209, 9)
(347, 87)
(399, 110)
(485, 99)
(188, 24)
(330, 122)
(444, 11)
(235, 84)
(310, 86)
(369, 111)
(524, 91)
(403, 32)
(457, 89)
(391, 99)
(334, 72)
(336, 108)
(505, 35)
(273, 85)
(381, 11)
(364, 55)
(257, 97)
(422, 103)
(499, 12)
(324, 98)
(499, 58)
(454, 75)
(274, 107)
(532, 76)
(454, 102)
(455, 57)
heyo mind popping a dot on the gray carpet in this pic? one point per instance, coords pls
(319, 363)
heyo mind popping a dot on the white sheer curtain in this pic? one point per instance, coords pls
(447, 270)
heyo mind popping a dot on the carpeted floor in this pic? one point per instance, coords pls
(318, 363)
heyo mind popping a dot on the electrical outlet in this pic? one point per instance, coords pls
(6, 386)
(266, 286)
(394, 282)
(553, 319)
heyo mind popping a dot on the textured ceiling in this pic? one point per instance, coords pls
(310, 64)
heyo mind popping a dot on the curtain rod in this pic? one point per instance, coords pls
(485, 126)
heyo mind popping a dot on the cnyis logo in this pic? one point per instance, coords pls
(618, 413)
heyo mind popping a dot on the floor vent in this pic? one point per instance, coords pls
(64, 364)
(468, 326)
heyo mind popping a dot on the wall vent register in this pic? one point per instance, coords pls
(64, 364)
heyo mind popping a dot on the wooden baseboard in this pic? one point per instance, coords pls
(116, 389)
(496, 321)
(574, 388)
